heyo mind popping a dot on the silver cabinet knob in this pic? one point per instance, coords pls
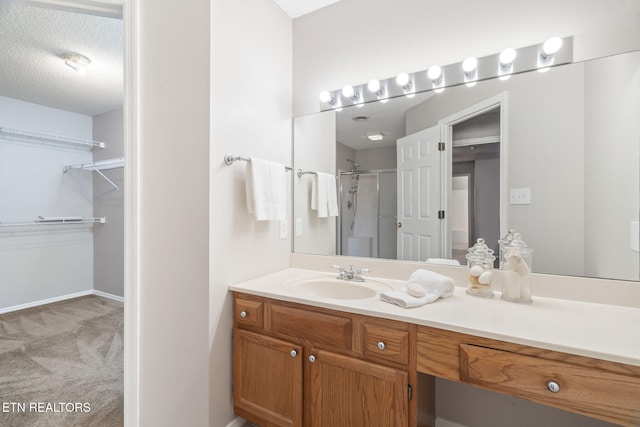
(553, 386)
(312, 358)
(293, 353)
(243, 314)
(380, 345)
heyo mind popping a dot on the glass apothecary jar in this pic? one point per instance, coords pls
(480, 260)
(516, 270)
(503, 243)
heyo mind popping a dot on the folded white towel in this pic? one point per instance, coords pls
(324, 196)
(434, 286)
(266, 189)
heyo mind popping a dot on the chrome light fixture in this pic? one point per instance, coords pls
(555, 51)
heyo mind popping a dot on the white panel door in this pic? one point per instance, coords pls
(419, 165)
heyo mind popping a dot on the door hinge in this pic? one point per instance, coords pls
(440, 214)
(440, 146)
(410, 391)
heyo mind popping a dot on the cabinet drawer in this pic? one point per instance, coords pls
(385, 343)
(248, 312)
(586, 390)
(316, 328)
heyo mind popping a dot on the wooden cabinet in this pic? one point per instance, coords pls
(605, 390)
(267, 379)
(296, 365)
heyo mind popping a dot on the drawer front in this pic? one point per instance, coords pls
(248, 312)
(589, 391)
(385, 343)
(318, 329)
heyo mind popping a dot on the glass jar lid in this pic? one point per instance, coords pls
(480, 252)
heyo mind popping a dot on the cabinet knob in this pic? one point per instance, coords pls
(243, 314)
(380, 345)
(553, 386)
(312, 358)
(293, 353)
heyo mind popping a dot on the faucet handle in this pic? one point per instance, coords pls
(362, 270)
(338, 267)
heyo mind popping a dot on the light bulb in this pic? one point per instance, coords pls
(469, 65)
(325, 96)
(507, 56)
(374, 85)
(434, 72)
(551, 46)
(348, 91)
(402, 79)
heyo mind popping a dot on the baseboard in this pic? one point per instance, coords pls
(238, 422)
(107, 295)
(61, 298)
(45, 301)
(440, 422)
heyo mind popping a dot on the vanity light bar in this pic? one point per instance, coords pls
(487, 67)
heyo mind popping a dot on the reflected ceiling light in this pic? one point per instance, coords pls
(76, 62)
(375, 137)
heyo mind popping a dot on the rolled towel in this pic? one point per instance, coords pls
(423, 287)
(432, 282)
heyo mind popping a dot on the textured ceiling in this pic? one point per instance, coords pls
(32, 40)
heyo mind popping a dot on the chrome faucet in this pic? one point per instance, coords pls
(355, 276)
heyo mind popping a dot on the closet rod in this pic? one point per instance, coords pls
(229, 159)
(51, 220)
(30, 135)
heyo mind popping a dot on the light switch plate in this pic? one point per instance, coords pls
(298, 227)
(283, 228)
(520, 196)
(635, 236)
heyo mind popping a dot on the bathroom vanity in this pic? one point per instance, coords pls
(301, 360)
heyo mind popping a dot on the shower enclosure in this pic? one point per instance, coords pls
(367, 220)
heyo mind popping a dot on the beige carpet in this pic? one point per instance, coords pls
(61, 364)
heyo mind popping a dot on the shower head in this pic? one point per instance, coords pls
(355, 166)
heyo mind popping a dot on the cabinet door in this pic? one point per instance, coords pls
(348, 392)
(267, 378)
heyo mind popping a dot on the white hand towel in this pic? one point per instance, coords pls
(324, 196)
(435, 286)
(266, 189)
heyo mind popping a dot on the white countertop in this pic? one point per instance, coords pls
(600, 331)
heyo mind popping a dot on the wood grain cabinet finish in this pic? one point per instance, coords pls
(346, 391)
(313, 367)
(596, 388)
(267, 379)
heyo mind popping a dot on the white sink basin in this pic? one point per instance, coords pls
(328, 288)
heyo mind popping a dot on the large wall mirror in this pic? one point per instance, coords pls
(553, 155)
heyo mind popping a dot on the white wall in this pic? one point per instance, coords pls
(250, 116)
(616, 202)
(378, 40)
(381, 39)
(43, 262)
(173, 135)
(315, 137)
(533, 110)
(108, 238)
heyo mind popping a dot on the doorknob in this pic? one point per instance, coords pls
(398, 225)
